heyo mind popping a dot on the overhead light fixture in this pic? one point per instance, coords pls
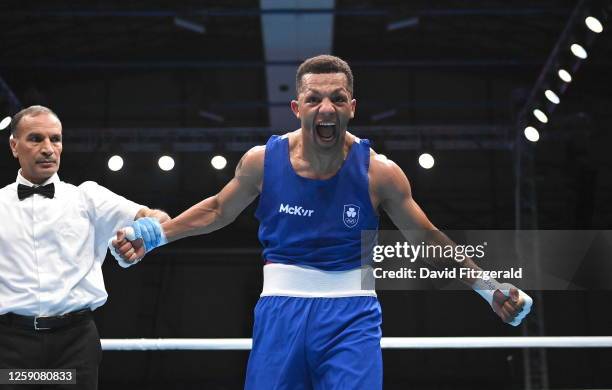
(552, 97)
(4, 123)
(579, 40)
(426, 160)
(218, 162)
(565, 76)
(578, 51)
(532, 134)
(593, 24)
(115, 163)
(166, 163)
(539, 114)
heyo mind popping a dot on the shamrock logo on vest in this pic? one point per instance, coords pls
(350, 215)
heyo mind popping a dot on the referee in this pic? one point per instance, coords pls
(53, 240)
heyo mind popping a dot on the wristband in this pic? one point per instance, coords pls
(486, 289)
(149, 230)
(528, 301)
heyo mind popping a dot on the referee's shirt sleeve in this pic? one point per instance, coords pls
(108, 213)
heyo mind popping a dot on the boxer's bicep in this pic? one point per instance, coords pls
(249, 170)
(244, 187)
(233, 199)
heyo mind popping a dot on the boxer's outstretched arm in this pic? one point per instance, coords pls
(392, 190)
(221, 209)
(145, 234)
(394, 193)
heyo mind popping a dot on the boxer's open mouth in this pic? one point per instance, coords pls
(326, 131)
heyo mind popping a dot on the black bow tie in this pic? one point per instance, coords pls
(25, 191)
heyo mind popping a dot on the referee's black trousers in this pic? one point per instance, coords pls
(76, 346)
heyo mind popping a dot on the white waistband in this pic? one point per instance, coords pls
(296, 281)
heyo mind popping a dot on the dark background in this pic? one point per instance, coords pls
(124, 78)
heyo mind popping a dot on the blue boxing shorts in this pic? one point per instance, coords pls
(309, 342)
(302, 343)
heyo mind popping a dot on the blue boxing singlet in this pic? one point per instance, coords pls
(311, 222)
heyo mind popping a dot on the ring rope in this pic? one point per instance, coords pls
(245, 344)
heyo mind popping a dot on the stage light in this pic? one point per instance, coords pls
(166, 163)
(5, 122)
(532, 134)
(539, 114)
(578, 51)
(115, 163)
(593, 24)
(218, 162)
(552, 97)
(565, 76)
(426, 160)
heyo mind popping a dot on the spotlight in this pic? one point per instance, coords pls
(218, 162)
(540, 115)
(578, 40)
(166, 163)
(5, 122)
(552, 97)
(532, 134)
(426, 160)
(593, 24)
(115, 163)
(565, 76)
(578, 51)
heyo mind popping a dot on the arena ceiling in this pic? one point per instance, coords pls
(135, 64)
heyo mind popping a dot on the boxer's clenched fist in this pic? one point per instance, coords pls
(511, 304)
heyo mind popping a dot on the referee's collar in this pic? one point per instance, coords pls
(22, 180)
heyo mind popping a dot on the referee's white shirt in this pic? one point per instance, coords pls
(52, 250)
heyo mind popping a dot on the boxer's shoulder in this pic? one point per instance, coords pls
(250, 168)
